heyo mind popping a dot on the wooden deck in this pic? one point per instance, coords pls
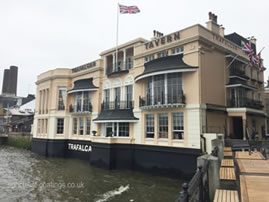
(222, 195)
(254, 188)
(227, 173)
(227, 163)
(247, 155)
(227, 149)
(247, 166)
(227, 154)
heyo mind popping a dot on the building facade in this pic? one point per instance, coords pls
(146, 104)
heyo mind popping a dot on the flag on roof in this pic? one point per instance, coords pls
(128, 9)
(247, 48)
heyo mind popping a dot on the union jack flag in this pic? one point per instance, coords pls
(248, 49)
(255, 60)
(128, 9)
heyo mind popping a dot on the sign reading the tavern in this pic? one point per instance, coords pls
(163, 40)
(79, 147)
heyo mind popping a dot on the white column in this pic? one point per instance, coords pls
(42, 102)
(84, 125)
(48, 100)
(45, 101)
(152, 98)
(39, 104)
(124, 59)
(165, 89)
(113, 62)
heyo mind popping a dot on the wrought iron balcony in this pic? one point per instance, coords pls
(122, 67)
(162, 100)
(246, 102)
(238, 72)
(78, 108)
(117, 105)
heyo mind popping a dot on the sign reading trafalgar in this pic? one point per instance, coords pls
(163, 40)
(80, 147)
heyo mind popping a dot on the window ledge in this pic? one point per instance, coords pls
(163, 139)
(178, 140)
(112, 140)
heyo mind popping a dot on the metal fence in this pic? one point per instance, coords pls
(197, 190)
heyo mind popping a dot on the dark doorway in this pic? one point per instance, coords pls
(237, 128)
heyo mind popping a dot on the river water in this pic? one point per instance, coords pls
(25, 176)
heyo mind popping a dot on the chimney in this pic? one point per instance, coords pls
(213, 25)
(13, 78)
(5, 82)
(253, 40)
(156, 35)
(221, 31)
(10, 81)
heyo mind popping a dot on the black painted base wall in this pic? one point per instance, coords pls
(3, 140)
(154, 159)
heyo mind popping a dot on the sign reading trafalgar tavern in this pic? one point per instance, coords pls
(79, 147)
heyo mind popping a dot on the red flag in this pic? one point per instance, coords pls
(128, 9)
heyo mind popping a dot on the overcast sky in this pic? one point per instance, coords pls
(39, 35)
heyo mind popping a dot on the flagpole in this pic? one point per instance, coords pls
(117, 36)
(231, 62)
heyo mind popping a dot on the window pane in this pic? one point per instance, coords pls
(129, 95)
(81, 126)
(61, 98)
(78, 102)
(163, 125)
(86, 102)
(88, 126)
(178, 125)
(109, 130)
(107, 95)
(159, 89)
(149, 92)
(174, 88)
(149, 126)
(123, 129)
(75, 125)
(117, 97)
(60, 126)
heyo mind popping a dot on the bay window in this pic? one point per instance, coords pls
(117, 129)
(164, 89)
(82, 102)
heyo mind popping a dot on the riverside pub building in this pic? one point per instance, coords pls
(147, 109)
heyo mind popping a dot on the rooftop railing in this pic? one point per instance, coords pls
(161, 100)
(117, 105)
(122, 67)
(78, 108)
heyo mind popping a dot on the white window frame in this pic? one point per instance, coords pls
(180, 124)
(64, 99)
(149, 123)
(161, 125)
(57, 126)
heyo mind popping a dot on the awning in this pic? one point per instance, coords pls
(165, 65)
(120, 115)
(83, 85)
